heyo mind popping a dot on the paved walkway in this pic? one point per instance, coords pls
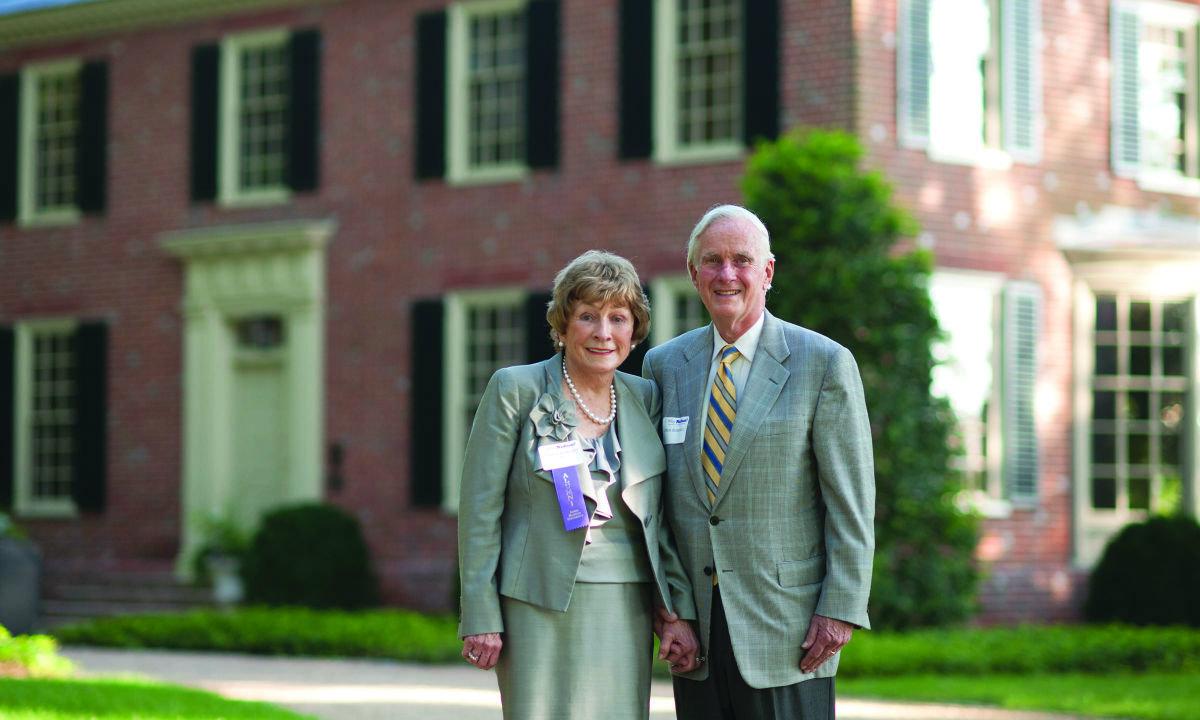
(374, 690)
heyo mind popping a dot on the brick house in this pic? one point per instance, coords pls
(258, 251)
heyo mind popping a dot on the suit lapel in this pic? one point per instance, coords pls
(691, 379)
(763, 385)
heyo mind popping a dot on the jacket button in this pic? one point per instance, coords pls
(707, 570)
(714, 520)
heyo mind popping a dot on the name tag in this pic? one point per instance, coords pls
(568, 453)
(674, 429)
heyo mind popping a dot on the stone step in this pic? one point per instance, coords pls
(113, 591)
(56, 613)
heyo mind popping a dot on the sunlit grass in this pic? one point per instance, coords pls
(104, 699)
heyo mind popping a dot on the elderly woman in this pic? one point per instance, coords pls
(563, 551)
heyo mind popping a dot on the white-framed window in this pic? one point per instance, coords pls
(1156, 94)
(45, 417)
(486, 91)
(1135, 387)
(1139, 401)
(698, 78)
(254, 118)
(969, 80)
(51, 100)
(676, 308)
(987, 370)
(485, 330)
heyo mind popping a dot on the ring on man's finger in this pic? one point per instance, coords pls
(700, 659)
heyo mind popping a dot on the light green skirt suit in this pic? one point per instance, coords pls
(575, 617)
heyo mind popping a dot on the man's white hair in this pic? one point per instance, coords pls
(729, 212)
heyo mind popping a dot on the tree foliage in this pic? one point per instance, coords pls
(833, 231)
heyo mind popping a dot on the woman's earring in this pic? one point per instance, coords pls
(632, 346)
(561, 343)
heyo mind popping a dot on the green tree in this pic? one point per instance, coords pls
(833, 231)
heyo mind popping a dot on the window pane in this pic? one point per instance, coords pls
(53, 416)
(1106, 313)
(1175, 316)
(1172, 360)
(1104, 405)
(1138, 449)
(262, 112)
(496, 89)
(1139, 316)
(1104, 493)
(1106, 360)
(56, 127)
(1139, 493)
(1169, 450)
(1104, 448)
(1137, 406)
(1171, 411)
(1139, 360)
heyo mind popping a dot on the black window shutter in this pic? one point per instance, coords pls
(542, 31)
(7, 415)
(431, 95)
(304, 110)
(10, 95)
(760, 70)
(538, 346)
(428, 376)
(636, 78)
(206, 80)
(91, 417)
(93, 137)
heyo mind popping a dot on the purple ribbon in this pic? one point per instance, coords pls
(570, 497)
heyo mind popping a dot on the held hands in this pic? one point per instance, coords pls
(825, 637)
(678, 644)
(482, 651)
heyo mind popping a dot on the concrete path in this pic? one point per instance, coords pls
(375, 690)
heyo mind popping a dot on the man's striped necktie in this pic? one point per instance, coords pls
(718, 423)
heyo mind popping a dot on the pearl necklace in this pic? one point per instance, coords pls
(612, 399)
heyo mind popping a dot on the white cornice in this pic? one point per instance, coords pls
(228, 240)
(100, 17)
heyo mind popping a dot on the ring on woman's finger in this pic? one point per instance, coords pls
(472, 657)
(700, 659)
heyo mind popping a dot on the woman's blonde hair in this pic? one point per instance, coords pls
(600, 278)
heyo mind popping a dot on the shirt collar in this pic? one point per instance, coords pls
(746, 344)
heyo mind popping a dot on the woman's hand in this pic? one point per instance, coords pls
(482, 651)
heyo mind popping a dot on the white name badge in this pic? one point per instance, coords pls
(568, 453)
(674, 428)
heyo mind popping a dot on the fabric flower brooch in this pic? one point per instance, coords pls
(553, 419)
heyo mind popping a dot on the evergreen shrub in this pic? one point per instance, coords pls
(309, 555)
(835, 233)
(1149, 575)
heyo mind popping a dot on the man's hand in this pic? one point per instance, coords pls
(825, 637)
(482, 651)
(678, 644)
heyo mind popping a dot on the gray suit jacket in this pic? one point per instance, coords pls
(511, 539)
(792, 530)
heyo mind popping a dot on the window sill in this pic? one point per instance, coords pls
(261, 198)
(64, 510)
(985, 158)
(985, 505)
(488, 176)
(54, 218)
(696, 155)
(1169, 183)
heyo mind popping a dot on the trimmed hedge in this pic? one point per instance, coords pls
(395, 634)
(311, 554)
(409, 636)
(1023, 651)
(1149, 575)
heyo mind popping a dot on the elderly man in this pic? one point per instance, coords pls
(770, 486)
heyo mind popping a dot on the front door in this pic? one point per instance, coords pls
(258, 418)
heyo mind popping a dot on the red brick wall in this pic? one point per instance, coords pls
(399, 240)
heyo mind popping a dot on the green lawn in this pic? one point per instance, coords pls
(1144, 696)
(104, 699)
